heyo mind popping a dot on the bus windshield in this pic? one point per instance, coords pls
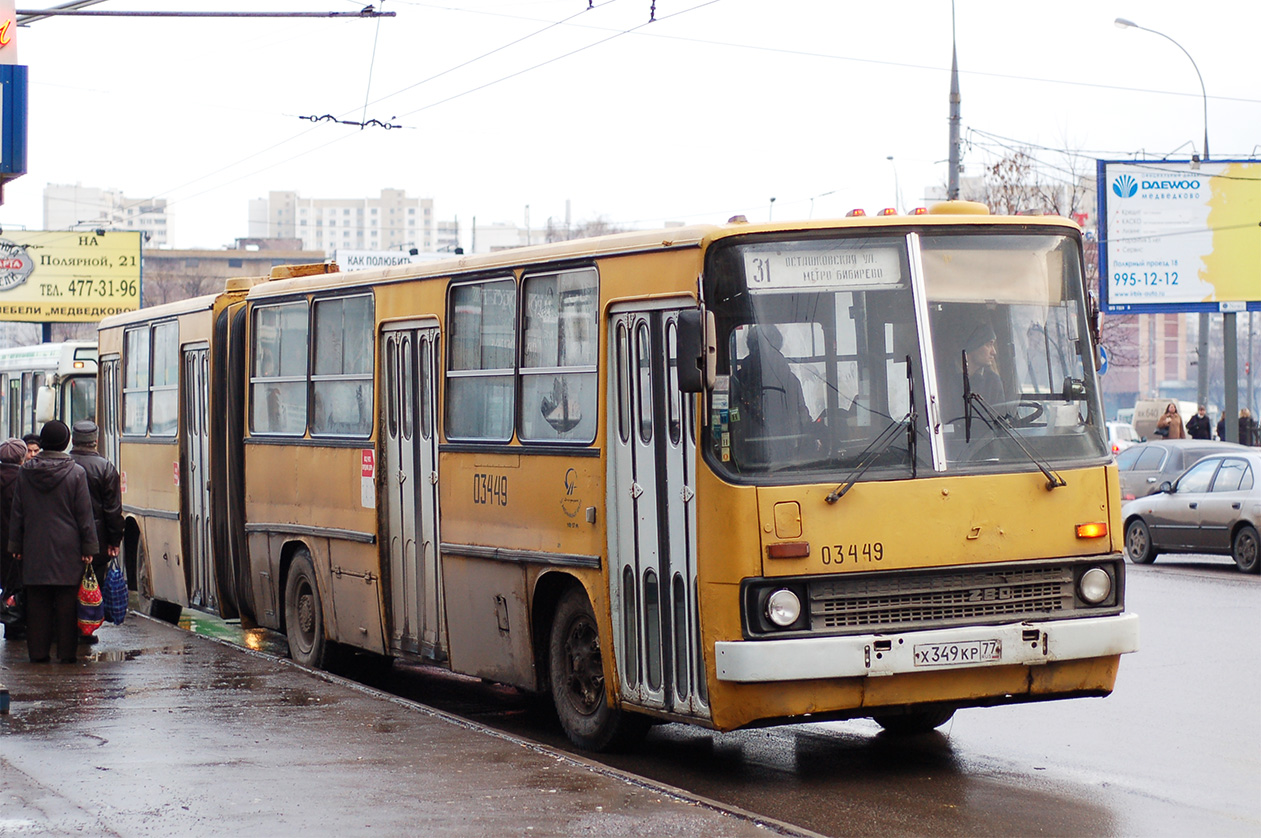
(900, 354)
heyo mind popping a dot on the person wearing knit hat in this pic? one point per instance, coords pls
(52, 535)
(982, 353)
(12, 453)
(54, 436)
(107, 499)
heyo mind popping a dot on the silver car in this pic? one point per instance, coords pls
(1213, 507)
(1143, 467)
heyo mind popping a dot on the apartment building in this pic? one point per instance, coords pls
(389, 221)
(78, 207)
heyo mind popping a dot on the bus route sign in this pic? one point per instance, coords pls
(68, 277)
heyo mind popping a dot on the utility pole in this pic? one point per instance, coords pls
(955, 164)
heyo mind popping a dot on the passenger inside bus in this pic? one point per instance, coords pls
(771, 418)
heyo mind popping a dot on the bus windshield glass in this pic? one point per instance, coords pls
(818, 357)
(1010, 310)
(824, 365)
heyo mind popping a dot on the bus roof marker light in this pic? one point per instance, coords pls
(888, 211)
(856, 213)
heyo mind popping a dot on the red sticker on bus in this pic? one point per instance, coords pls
(369, 463)
(176, 472)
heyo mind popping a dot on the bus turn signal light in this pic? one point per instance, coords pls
(788, 550)
(1098, 529)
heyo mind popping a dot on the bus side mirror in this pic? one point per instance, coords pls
(698, 350)
(45, 404)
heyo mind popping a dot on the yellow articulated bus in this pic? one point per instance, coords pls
(728, 475)
(47, 381)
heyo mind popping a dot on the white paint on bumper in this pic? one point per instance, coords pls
(796, 659)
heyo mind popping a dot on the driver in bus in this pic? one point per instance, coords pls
(772, 414)
(982, 353)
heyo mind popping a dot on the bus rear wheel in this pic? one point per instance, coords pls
(304, 614)
(576, 677)
(909, 724)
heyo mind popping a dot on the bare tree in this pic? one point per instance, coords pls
(598, 226)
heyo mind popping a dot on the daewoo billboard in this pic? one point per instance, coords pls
(1180, 236)
(64, 277)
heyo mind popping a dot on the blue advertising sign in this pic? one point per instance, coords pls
(12, 121)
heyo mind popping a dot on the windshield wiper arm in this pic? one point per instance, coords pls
(881, 443)
(1053, 479)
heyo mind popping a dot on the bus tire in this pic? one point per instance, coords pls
(1246, 549)
(304, 614)
(1138, 542)
(576, 677)
(910, 724)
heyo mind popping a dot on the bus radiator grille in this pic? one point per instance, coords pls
(937, 598)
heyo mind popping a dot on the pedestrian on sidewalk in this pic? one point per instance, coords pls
(32, 445)
(107, 503)
(1199, 426)
(12, 453)
(51, 532)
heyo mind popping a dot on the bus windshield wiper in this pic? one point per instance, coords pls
(881, 444)
(993, 419)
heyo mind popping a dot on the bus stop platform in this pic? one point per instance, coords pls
(159, 731)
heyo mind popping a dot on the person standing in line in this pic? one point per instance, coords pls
(1199, 426)
(12, 453)
(51, 532)
(107, 504)
(32, 445)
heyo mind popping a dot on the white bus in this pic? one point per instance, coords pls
(49, 381)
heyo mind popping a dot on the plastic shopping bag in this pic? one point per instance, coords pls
(91, 608)
(114, 594)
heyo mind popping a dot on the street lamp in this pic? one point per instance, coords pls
(1122, 23)
(1201, 375)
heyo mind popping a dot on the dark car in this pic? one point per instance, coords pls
(1145, 466)
(1213, 507)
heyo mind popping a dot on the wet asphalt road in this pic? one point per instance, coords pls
(1176, 750)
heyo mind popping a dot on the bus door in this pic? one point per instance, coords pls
(652, 532)
(195, 479)
(410, 491)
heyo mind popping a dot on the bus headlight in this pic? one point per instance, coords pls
(783, 608)
(1095, 585)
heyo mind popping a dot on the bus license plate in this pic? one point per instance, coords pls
(956, 654)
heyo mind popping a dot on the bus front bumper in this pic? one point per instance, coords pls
(1029, 643)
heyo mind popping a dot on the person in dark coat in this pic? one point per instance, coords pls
(32, 445)
(52, 533)
(771, 416)
(12, 453)
(1221, 427)
(107, 503)
(1199, 426)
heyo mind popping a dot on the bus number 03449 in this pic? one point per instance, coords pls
(490, 489)
(856, 553)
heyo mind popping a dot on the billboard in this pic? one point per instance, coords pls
(68, 277)
(1179, 235)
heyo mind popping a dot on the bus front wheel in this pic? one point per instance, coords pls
(907, 724)
(304, 614)
(576, 677)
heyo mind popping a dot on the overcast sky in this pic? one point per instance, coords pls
(711, 110)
